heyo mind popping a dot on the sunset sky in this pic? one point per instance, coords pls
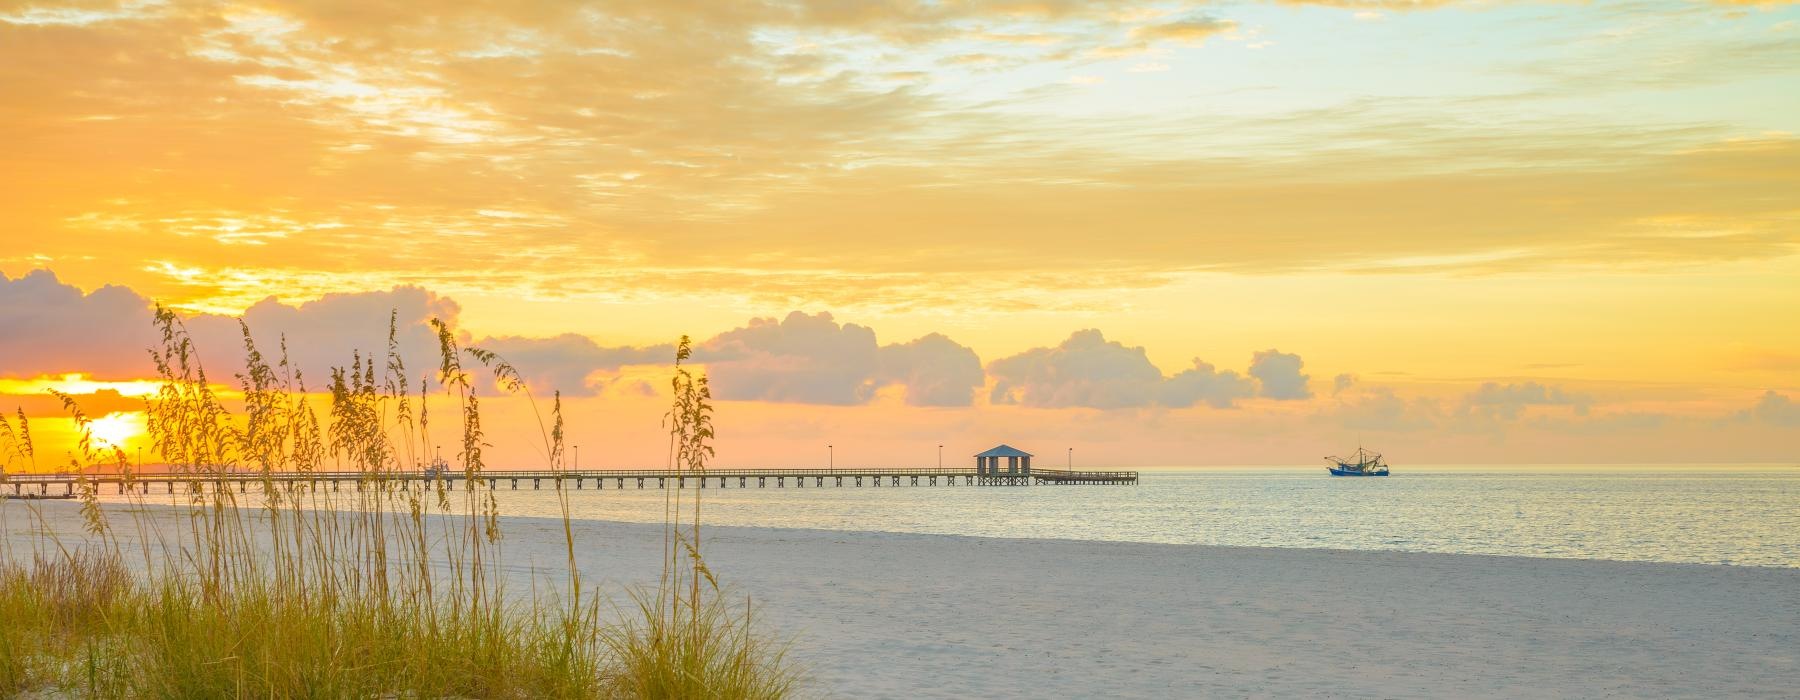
(1167, 233)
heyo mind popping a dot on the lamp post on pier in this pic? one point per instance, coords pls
(940, 456)
(830, 457)
(1071, 458)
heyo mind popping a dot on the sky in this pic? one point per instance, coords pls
(1165, 233)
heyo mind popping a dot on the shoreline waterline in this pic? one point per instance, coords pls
(1739, 516)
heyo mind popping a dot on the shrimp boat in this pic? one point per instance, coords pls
(438, 468)
(1360, 463)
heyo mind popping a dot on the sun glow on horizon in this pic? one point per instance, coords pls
(78, 383)
(117, 429)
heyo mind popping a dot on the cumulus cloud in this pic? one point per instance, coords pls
(568, 362)
(1776, 409)
(801, 359)
(810, 358)
(1382, 409)
(1495, 400)
(1278, 374)
(936, 370)
(1086, 370)
(1089, 371)
(1342, 383)
(330, 331)
(1203, 384)
(50, 328)
(53, 328)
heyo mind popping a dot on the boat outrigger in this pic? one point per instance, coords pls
(438, 468)
(1360, 463)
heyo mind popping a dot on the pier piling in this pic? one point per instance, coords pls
(309, 482)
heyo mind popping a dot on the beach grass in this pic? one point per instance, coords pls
(391, 589)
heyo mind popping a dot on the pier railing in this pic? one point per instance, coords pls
(661, 477)
(1082, 474)
(458, 474)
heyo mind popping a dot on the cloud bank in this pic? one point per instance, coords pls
(570, 362)
(811, 358)
(1089, 371)
(47, 327)
(1278, 375)
(53, 329)
(802, 359)
(935, 370)
(1508, 401)
(1776, 409)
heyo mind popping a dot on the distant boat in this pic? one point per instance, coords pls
(1360, 463)
(438, 468)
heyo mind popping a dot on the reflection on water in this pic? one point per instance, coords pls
(1735, 515)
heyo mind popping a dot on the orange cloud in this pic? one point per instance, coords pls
(1192, 30)
(97, 404)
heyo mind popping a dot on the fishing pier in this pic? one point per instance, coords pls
(596, 479)
(989, 470)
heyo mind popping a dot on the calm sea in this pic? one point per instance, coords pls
(1744, 515)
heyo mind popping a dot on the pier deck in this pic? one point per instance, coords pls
(597, 479)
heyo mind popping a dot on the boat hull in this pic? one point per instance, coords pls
(1335, 471)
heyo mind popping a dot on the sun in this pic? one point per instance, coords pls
(116, 428)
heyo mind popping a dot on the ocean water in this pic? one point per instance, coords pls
(1724, 514)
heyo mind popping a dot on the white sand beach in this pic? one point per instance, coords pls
(883, 615)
